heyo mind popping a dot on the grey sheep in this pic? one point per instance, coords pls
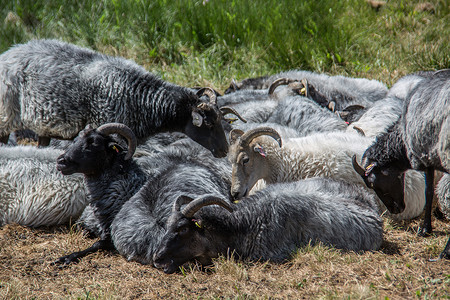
(385, 112)
(113, 179)
(335, 92)
(33, 192)
(271, 224)
(287, 107)
(56, 89)
(419, 140)
(140, 224)
(443, 194)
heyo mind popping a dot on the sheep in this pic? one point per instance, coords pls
(443, 194)
(305, 116)
(335, 92)
(115, 182)
(56, 89)
(257, 105)
(140, 224)
(33, 192)
(111, 178)
(255, 156)
(419, 140)
(287, 107)
(385, 112)
(271, 224)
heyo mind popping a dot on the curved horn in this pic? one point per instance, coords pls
(124, 131)
(208, 92)
(198, 203)
(332, 106)
(357, 167)
(234, 84)
(278, 82)
(181, 200)
(247, 137)
(359, 130)
(229, 110)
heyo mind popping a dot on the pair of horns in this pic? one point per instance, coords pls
(195, 205)
(250, 135)
(208, 92)
(124, 131)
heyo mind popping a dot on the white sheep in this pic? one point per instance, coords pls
(254, 156)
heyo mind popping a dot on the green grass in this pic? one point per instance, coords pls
(210, 42)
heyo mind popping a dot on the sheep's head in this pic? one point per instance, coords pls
(248, 158)
(186, 238)
(387, 182)
(205, 125)
(93, 150)
(256, 83)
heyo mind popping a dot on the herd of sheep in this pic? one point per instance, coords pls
(164, 175)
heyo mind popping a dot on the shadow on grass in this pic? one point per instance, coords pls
(389, 248)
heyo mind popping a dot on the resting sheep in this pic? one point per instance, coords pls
(335, 92)
(111, 178)
(254, 156)
(271, 224)
(419, 140)
(443, 194)
(33, 193)
(287, 107)
(140, 224)
(56, 89)
(385, 112)
(120, 189)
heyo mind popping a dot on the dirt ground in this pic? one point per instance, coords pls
(401, 269)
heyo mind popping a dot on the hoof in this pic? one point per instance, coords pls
(66, 260)
(424, 231)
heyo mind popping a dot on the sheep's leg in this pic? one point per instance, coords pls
(43, 141)
(76, 256)
(426, 228)
(446, 253)
(4, 138)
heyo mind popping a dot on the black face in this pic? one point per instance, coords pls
(206, 129)
(388, 183)
(181, 243)
(89, 154)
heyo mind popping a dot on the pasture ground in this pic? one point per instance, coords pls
(400, 270)
(207, 43)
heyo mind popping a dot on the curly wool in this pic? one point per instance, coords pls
(34, 193)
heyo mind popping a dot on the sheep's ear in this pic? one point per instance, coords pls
(259, 149)
(235, 134)
(197, 119)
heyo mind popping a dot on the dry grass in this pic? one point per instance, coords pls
(401, 269)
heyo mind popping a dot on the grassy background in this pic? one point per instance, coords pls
(209, 43)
